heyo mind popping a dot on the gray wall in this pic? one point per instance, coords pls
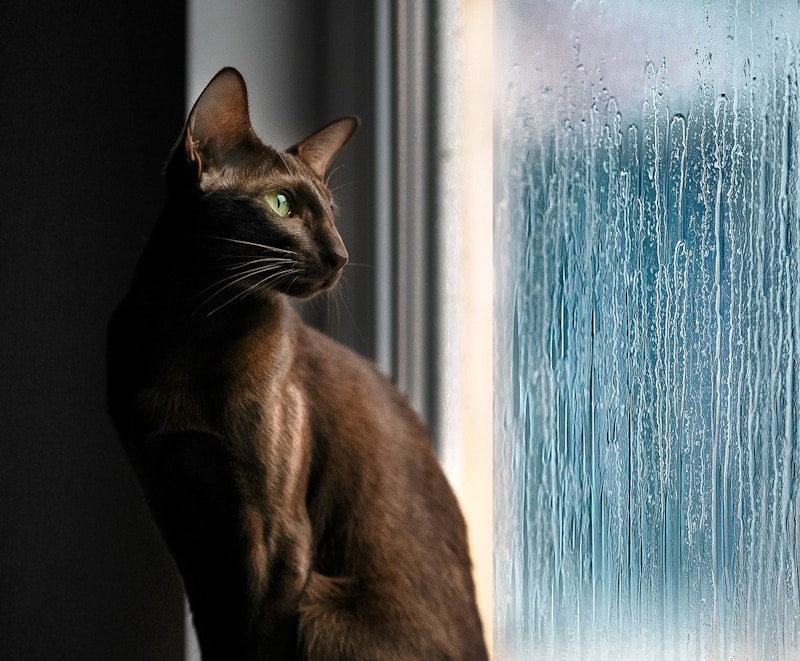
(91, 98)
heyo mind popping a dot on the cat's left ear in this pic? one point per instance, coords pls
(320, 148)
(218, 132)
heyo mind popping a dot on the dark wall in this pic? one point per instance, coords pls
(91, 98)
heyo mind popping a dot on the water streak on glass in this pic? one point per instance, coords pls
(647, 254)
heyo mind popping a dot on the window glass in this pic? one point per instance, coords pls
(647, 259)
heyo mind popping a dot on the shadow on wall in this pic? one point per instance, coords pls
(91, 102)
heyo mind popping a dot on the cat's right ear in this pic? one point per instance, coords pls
(320, 148)
(218, 132)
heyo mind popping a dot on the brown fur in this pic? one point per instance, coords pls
(297, 490)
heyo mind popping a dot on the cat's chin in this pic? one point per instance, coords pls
(310, 288)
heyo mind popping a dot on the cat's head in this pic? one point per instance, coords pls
(264, 218)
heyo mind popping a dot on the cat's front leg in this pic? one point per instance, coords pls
(278, 562)
(243, 566)
(271, 450)
(189, 479)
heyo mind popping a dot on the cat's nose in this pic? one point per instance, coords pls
(338, 258)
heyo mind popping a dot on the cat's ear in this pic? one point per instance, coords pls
(320, 148)
(218, 131)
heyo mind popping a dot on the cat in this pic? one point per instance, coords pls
(296, 489)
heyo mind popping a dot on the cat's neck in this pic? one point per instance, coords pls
(165, 339)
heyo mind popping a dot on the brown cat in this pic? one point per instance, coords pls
(296, 489)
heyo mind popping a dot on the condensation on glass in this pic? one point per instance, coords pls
(647, 498)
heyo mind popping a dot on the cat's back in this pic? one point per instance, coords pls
(349, 391)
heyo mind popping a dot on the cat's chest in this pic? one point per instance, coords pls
(214, 382)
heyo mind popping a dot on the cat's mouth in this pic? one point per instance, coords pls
(332, 280)
(322, 275)
(312, 285)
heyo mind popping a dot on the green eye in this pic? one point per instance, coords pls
(280, 204)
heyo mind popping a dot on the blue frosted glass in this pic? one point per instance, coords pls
(647, 259)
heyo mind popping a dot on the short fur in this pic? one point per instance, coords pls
(295, 487)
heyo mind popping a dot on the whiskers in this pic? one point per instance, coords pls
(262, 272)
(343, 188)
(334, 312)
(249, 274)
(331, 172)
(261, 246)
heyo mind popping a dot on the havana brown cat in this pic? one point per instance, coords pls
(296, 489)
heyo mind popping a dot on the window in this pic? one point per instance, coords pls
(647, 498)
